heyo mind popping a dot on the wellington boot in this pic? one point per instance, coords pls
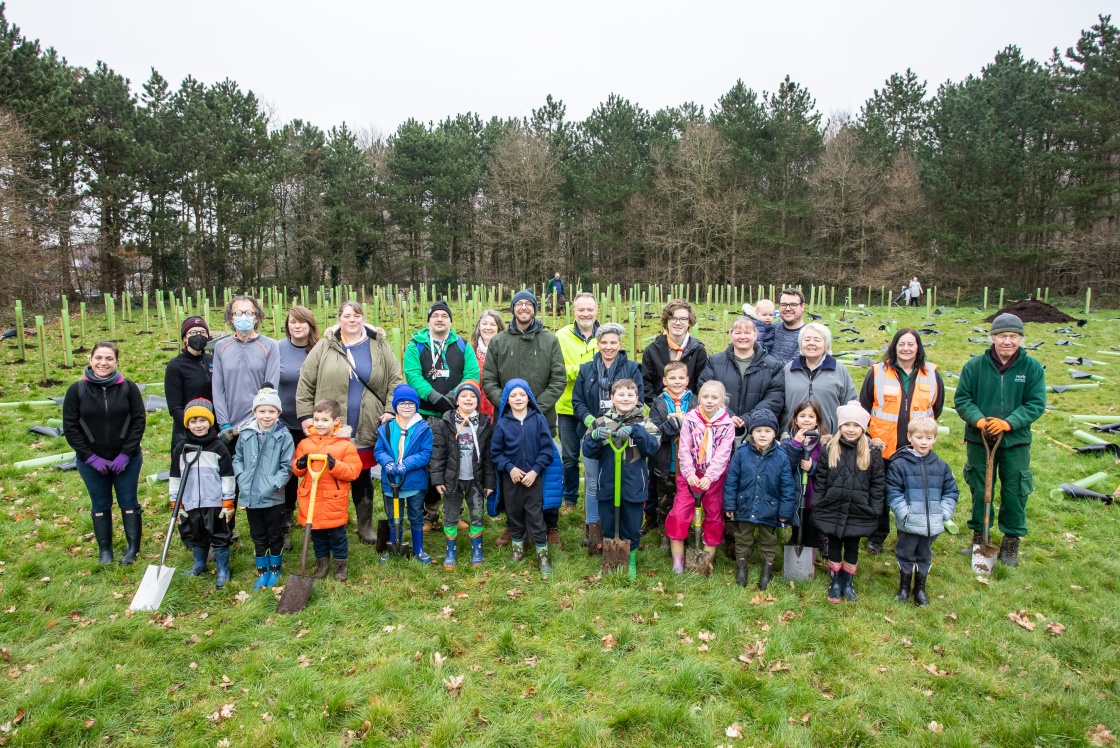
(476, 550)
(199, 567)
(920, 597)
(903, 593)
(103, 531)
(543, 562)
(322, 568)
(847, 591)
(452, 554)
(133, 529)
(221, 558)
(977, 539)
(678, 562)
(262, 572)
(363, 510)
(418, 546)
(767, 574)
(633, 571)
(834, 589)
(1008, 551)
(340, 569)
(518, 547)
(741, 572)
(275, 569)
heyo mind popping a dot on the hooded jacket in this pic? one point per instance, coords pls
(793, 450)
(848, 501)
(326, 374)
(186, 378)
(526, 444)
(417, 454)
(576, 352)
(262, 463)
(664, 463)
(1017, 396)
(654, 358)
(761, 386)
(921, 491)
(533, 356)
(829, 385)
(202, 471)
(421, 364)
(759, 487)
(103, 419)
(644, 441)
(590, 391)
(444, 468)
(721, 443)
(332, 495)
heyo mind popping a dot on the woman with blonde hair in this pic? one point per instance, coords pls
(488, 325)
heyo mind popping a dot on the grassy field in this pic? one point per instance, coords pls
(418, 656)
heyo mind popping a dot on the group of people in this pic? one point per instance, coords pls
(769, 433)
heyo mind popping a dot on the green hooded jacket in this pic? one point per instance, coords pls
(1017, 396)
(533, 355)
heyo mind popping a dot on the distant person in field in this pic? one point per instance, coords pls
(784, 345)
(915, 291)
(557, 285)
(1003, 392)
(673, 344)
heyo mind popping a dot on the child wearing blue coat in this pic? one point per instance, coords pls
(759, 495)
(522, 449)
(922, 493)
(623, 420)
(404, 449)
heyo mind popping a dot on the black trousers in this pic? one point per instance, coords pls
(267, 527)
(843, 549)
(208, 529)
(524, 510)
(293, 483)
(914, 552)
(469, 491)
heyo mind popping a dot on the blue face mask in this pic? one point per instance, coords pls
(243, 324)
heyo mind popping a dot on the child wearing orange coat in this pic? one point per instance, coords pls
(332, 496)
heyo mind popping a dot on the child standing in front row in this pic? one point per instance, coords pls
(332, 496)
(850, 491)
(624, 420)
(262, 463)
(805, 419)
(521, 449)
(404, 450)
(202, 471)
(667, 411)
(922, 493)
(706, 441)
(759, 495)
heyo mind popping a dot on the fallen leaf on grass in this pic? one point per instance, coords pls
(702, 648)
(266, 717)
(462, 595)
(223, 743)
(453, 684)
(734, 731)
(609, 642)
(241, 597)
(224, 712)
(803, 721)
(936, 727)
(762, 599)
(706, 636)
(1021, 617)
(301, 633)
(981, 580)
(5, 654)
(684, 637)
(529, 692)
(176, 687)
(786, 617)
(90, 722)
(19, 716)
(195, 639)
(906, 642)
(1100, 735)
(1055, 628)
(531, 661)
(438, 660)
(304, 661)
(778, 667)
(446, 612)
(515, 594)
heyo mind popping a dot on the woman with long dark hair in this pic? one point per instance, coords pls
(301, 333)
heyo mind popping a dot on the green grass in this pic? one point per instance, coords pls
(535, 670)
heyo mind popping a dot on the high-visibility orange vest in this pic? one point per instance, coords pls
(888, 400)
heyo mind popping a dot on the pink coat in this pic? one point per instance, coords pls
(721, 444)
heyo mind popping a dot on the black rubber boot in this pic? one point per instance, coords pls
(103, 531)
(847, 591)
(767, 573)
(133, 529)
(903, 593)
(920, 597)
(363, 510)
(835, 588)
(1009, 551)
(977, 539)
(741, 572)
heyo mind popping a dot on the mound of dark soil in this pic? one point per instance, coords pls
(1034, 311)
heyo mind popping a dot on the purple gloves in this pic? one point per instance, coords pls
(100, 464)
(119, 463)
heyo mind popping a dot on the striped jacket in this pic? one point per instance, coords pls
(202, 470)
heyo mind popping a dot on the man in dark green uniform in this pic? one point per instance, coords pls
(1001, 392)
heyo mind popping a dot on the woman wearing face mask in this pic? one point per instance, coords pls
(243, 363)
(815, 375)
(187, 376)
(103, 420)
(354, 365)
(301, 333)
(489, 323)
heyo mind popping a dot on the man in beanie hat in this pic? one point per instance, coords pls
(526, 350)
(1001, 392)
(435, 363)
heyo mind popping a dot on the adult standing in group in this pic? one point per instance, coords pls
(243, 362)
(435, 363)
(103, 420)
(187, 377)
(489, 324)
(591, 397)
(786, 329)
(578, 344)
(1003, 392)
(673, 344)
(915, 291)
(526, 350)
(301, 334)
(352, 364)
(901, 388)
(815, 375)
(753, 378)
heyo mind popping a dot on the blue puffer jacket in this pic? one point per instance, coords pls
(921, 491)
(590, 390)
(263, 465)
(759, 487)
(417, 452)
(644, 441)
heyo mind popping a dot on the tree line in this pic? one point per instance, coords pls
(1010, 177)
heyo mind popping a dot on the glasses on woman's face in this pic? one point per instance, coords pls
(243, 313)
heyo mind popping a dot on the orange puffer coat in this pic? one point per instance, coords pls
(332, 497)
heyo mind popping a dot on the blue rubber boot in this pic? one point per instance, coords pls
(418, 545)
(262, 572)
(476, 550)
(836, 586)
(452, 554)
(200, 555)
(221, 558)
(275, 569)
(847, 591)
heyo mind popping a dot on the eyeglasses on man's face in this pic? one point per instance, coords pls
(790, 304)
(243, 313)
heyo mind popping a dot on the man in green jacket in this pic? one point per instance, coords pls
(527, 351)
(436, 361)
(1001, 392)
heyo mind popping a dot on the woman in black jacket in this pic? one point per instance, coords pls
(188, 377)
(753, 378)
(103, 419)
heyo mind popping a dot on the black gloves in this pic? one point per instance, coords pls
(301, 463)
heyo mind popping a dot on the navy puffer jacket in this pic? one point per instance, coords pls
(759, 487)
(921, 491)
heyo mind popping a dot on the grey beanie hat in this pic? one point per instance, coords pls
(1007, 322)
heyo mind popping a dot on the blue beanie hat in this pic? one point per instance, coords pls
(405, 392)
(762, 417)
(524, 295)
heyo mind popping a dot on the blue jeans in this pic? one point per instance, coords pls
(569, 456)
(101, 487)
(330, 542)
(591, 486)
(412, 502)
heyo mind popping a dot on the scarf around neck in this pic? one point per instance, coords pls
(113, 378)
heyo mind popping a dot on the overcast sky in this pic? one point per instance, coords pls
(373, 64)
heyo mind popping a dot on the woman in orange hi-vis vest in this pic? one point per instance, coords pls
(902, 387)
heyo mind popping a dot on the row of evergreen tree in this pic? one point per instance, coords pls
(1009, 177)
